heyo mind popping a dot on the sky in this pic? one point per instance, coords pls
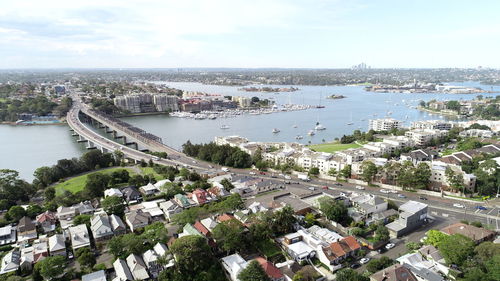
(249, 33)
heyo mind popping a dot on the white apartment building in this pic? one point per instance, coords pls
(438, 175)
(422, 137)
(166, 103)
(384, 124)
(432, 125)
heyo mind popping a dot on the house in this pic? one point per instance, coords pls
(395, 272)
(272, 271)
(100, 226)
(40, 249)
(57, 245)
(209, 223)
(79, 236)
(10, 262)
(170, 208)
(422, 269)
(7, 235)
(412, 215)
(433, 255)
(149, 190)
(202, 229)
(368, 204)
(113, 192)
(65, 213)
(27, 258)
(137, 219)
(155, 213)
(189, 229)
(117, 225)
(233, 265)
(137, 267)
(95, 276)
(218, 191)
(477, 234)
(26, 229)
(242, 216)
(122, 271)
(183, 201)
(257, 207)
(297, 248)
(419, 155)
(131, 194)
(200, 196)
(336, 252)
(84, 208)
(47, 221)
(150, 258)
(162, 251)
(225, 217)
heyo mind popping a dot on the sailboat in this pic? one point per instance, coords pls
(275, 131)
(311, 133)
(319, 127)
(319, 105)
(350, 122)
(224, 127)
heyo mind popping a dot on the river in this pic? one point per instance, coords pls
(24, 148)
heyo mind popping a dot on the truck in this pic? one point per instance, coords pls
(304, 177)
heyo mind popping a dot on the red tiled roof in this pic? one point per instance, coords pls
(271, 270)
(352, 243)
(47, 216)
(225, 217)
(337, 249)
(201, 228)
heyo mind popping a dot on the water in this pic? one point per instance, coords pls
(25, 148)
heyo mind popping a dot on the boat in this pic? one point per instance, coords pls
(224, 127)
(319, 127)
(295, 126)
(298, 137)
(311, 133)
(350, 122)
(275, 131)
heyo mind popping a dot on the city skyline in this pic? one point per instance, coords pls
(236, 34)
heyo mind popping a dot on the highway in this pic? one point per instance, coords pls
(438, 206)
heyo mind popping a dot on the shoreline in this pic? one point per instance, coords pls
(440, 112)
(141, 114)
(11, 123)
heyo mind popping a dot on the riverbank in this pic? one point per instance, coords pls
(456, 115)
(140, 114)
(59, 122)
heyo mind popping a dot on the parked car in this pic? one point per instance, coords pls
(393, 191)
(401, 196)
(385, 191)
(422, 198)
(360, 187)
(390, 246)
(381, 250)
(311, 188)
(364, 260)
(337, 184)
(252, 173)
(325, 187)
(482, 208)
(457, 205)
(355, 265)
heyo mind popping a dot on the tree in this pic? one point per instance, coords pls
(192, 255)
(348, 274)
(453, 105)
(51, 267)
(230, 235)
(155, 233)
(113, 205)
(375, 265)
(310, 219)
(346, 172)
(369, 171)
(455, 180)
(314, 171)
(85, 257)
(82, 219)
(434, 237)
(332, 172)
(381, 233)
(33, 210)
(50, 193)
(12, 188)
(456, 249)
(283, 220)
(306, 273)
(334, 210)
(96, 184)
(253, 272)
(487, 250)
(488, 177)
(15, 213)
(227, 184)
(422, 176)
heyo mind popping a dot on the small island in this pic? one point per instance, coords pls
(336, 97)
(268, 89)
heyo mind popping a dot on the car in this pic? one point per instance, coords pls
(390, 246)
(262, 173)
(311, 188)
(343, 194)
(325, 187)
(337, 184)
(210, 166)
(288, 182)
(385, 191)
(393, 191)
(252, 173)
(457, 205)
(422, 198)
(401, 196)
(355, 265)
(381, 250)
(360, 187)
(287, 177)
(364, 260)
(482, 208)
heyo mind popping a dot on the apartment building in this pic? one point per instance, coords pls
(431, 125)
(384, 124)
(421, 137)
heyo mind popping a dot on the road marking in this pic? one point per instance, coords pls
(434, 213)
(491, 211)
(445, 215)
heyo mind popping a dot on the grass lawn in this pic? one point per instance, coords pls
(333, 146)
(268, 248)
(150, 171)
(78, 183)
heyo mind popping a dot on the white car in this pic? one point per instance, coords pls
(360, 187)
(389, 246)
(252, 173)
(385, 191)
(394, 191)
(458, 205)
(364, 260)
(401, 196)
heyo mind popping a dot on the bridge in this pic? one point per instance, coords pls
(142, 140)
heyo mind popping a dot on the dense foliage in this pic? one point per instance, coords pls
(39, 105)
(220, 154)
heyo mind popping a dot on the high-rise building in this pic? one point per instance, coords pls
(384, 124)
